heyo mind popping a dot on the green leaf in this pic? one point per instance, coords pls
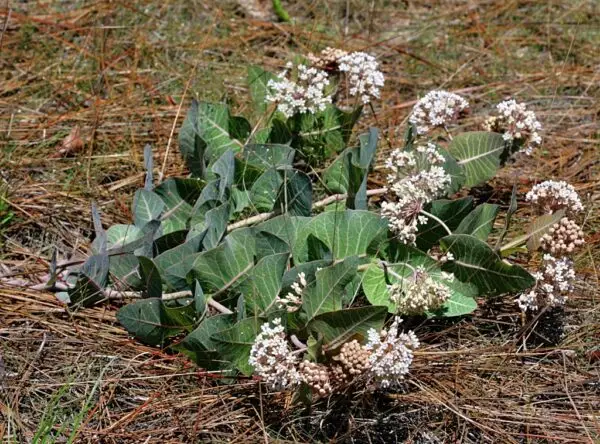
(295, 195)
(150, 278)
(168, 241)
(239, 128)
(216, 225)
(262, 283)
(175, 264)
(280, 132)
(124, 239)
(153, 322)
(147, 206)
(475, 262)
(120, 235)
(212, 124)
(479, 222)
(225, 264)
(338, 327)
(348, 173)
(178, 195)
(375, 282)
(234, 343)
(535, 231)
(224, 168)
(191, 145)
(199, 346)
(540, 226)
(317, 250)
(264, 191)
(345, 233)
(93, 278)
(478, 152)
(269, 155)
(451, 212)
(124, 271)
(326, 293)
(454, 170)
(199, 299)
(258, 79)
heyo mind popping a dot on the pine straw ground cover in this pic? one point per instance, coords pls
(85, 85)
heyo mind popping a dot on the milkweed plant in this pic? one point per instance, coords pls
(270, 260)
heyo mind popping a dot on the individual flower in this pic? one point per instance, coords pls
(436, 109)
(272, 357)
(417, 177)
(420, 293)
(563, 238)
(551, 196)
(307, 94)
(391, 354)
(554, 282)
(362, 74)
(293, 300)
(517, 123)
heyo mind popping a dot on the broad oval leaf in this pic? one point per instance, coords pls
(478, 153)
(326, 292)
(475, 262)
(234, 343)
(338, 327)
(153, 322)
(147, 206)
(479, 222)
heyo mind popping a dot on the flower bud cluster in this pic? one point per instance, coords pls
(293, 300)
(551, 196)
(316, 376)
(417, 177)
(272, 357)
(563, 238)
(420, 293)
(328, 59)
(391, 354)
(307, 94)
(516, 123)
(354, 358)
(554, 282)
(436, 109)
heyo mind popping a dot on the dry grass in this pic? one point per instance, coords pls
(120, 71)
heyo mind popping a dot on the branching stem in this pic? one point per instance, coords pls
(438, 220)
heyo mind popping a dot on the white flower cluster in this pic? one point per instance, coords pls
(391, 354)
(420, 293)
(417, 177)
(363, 75)
(563, 238)
(272, 358)
(436, 109)
(293, 301)
(517, 123)
(551, 196)
(305, 95)
(554, 283)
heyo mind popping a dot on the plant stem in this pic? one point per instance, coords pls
(319, 204)
(438, 220)
(114, 294)
(299, 344)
